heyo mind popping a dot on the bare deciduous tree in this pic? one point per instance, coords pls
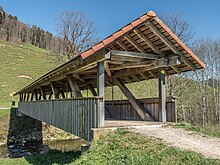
(180, 26)
(77, 31)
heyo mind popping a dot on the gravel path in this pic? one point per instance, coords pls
(207, 146)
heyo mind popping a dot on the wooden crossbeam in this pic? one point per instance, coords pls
(74, 86)
(134, 43)
(133, 65)
(170, 45)
(162, 62)
(137, 106)
(117, 53)
(148, 42)
(122, 45)
(54, 90)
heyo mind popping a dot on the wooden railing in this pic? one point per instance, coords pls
(122, 109)
(76, 116)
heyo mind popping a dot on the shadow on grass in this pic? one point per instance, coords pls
(53, 157)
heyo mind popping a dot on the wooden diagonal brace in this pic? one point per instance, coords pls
(137, 106)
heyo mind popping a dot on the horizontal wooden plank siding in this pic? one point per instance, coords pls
(122, 109)
(76, 116)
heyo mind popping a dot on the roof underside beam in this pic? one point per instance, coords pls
(170, 45)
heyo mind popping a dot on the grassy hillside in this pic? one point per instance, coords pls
(121, 147)
(20, 65)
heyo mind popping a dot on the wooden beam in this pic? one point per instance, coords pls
(144, 76)
(78, 77)
(74, 86)
(135, 78)
(20, 97)
(32, 95)
(107, 69)
(91, 88)
(54, 90)
(148, 42)
(176, 69)
(36, 95)
(122, 45)
(28, 95)
(170, 45)
(133, 65)
(134, 43)
(101, 91)
(43, 93)
(137, 106)
(62, 94)
(162, 95)
(134, 54)
(24, 97)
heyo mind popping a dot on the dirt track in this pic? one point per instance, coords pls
(188, 140)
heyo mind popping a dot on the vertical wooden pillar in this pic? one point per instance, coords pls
(162, 95)
(100, 90)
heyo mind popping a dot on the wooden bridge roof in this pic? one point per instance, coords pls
(133, 53)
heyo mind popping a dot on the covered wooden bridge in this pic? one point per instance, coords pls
(142, 50)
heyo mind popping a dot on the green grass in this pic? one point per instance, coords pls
(211, 130)
(121, 147)
(4, 112)
(17, 60)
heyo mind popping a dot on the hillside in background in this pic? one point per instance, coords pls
(20, 65)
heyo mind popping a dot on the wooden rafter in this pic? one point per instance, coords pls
(134, 43)
(170, 45)
(148, 42)
(122, 45)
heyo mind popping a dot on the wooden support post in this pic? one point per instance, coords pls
(162, 95)
(54, 90)
(49, 98)
(100, 90)
(91, 88)
(24, 97)
(62, 94)
(137, 106)
(74, 86)
(35, 93)
(28, 95)
(32, 95)
(43, 93)
(21, 97)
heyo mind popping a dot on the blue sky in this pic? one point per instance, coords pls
(110, 15)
